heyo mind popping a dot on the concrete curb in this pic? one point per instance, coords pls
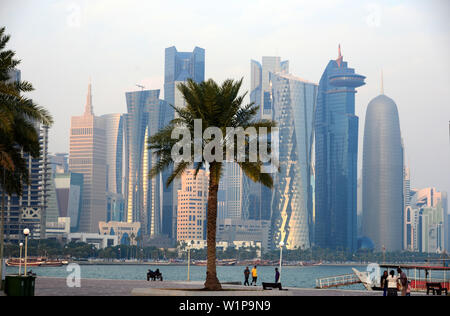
(228, 292)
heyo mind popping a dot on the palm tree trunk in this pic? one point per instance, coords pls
(212, 282)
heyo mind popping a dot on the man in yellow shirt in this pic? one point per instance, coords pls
(254, 275)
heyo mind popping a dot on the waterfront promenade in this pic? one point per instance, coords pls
(49, 286)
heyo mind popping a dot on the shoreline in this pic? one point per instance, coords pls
(53, 286)
(234, 265)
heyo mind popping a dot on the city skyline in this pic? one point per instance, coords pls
(398, 37)
(176, 148)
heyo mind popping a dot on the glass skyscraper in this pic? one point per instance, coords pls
(336, 154)
(88, 156)
(147, 114)
(178, 67)
(257, 199)
(293, 105)
(383, 180)
(114, 129)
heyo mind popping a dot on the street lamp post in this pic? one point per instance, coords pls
(189, 263)
(20, 258)
(281, 258)
(26, 232)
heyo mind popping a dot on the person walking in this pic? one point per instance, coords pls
(392, 281)
(403, 281)
(246, 275)
(384, 283)
(254, 275)
(277, 275)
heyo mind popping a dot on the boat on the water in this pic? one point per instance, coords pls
(223, 262)
(418, 276)
(35, 262)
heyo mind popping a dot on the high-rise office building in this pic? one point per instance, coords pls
(192, 206)
(114, 125)
(59, 162)
(293, 105)
(69, 194)
(178, 68)
(431, 207)
(257, 231)
(230, 200)
(88, 156)
(115, 143)
(29, 210)
(383, 176)
(260, 90)
(406, 200)
(147, 114)
(256, 198)
(336, 154)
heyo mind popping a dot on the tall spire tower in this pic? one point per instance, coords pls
(382, 82)
(88, 109)
(87, 156)
(339, 59)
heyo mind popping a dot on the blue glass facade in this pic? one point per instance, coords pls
(147, 114)
(257, 199)
(178, 67)
(336, 153)
(294, 102)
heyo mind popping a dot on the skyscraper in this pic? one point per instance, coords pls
(178, 68)
(383, 175)
(293, 105)
(147, 114)
(69, 193)
(115, 143)
(256, 198)
(260, 90)
(192, 205)
(336, 154)
(88, 156)
(29, 210)
(430, 206)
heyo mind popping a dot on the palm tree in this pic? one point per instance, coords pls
(18, 134)
(221, 107)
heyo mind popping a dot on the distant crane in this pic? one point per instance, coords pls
(138, 85)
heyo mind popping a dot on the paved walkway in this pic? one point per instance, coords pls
(47, 286)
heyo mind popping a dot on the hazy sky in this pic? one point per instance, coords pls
(121, 43)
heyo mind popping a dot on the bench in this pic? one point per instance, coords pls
(270, 286)
(153, 275)
(436, 287)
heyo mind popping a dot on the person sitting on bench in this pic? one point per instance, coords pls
(153, 275)
(436, 287)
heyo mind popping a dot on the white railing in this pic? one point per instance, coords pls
(335, 281)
